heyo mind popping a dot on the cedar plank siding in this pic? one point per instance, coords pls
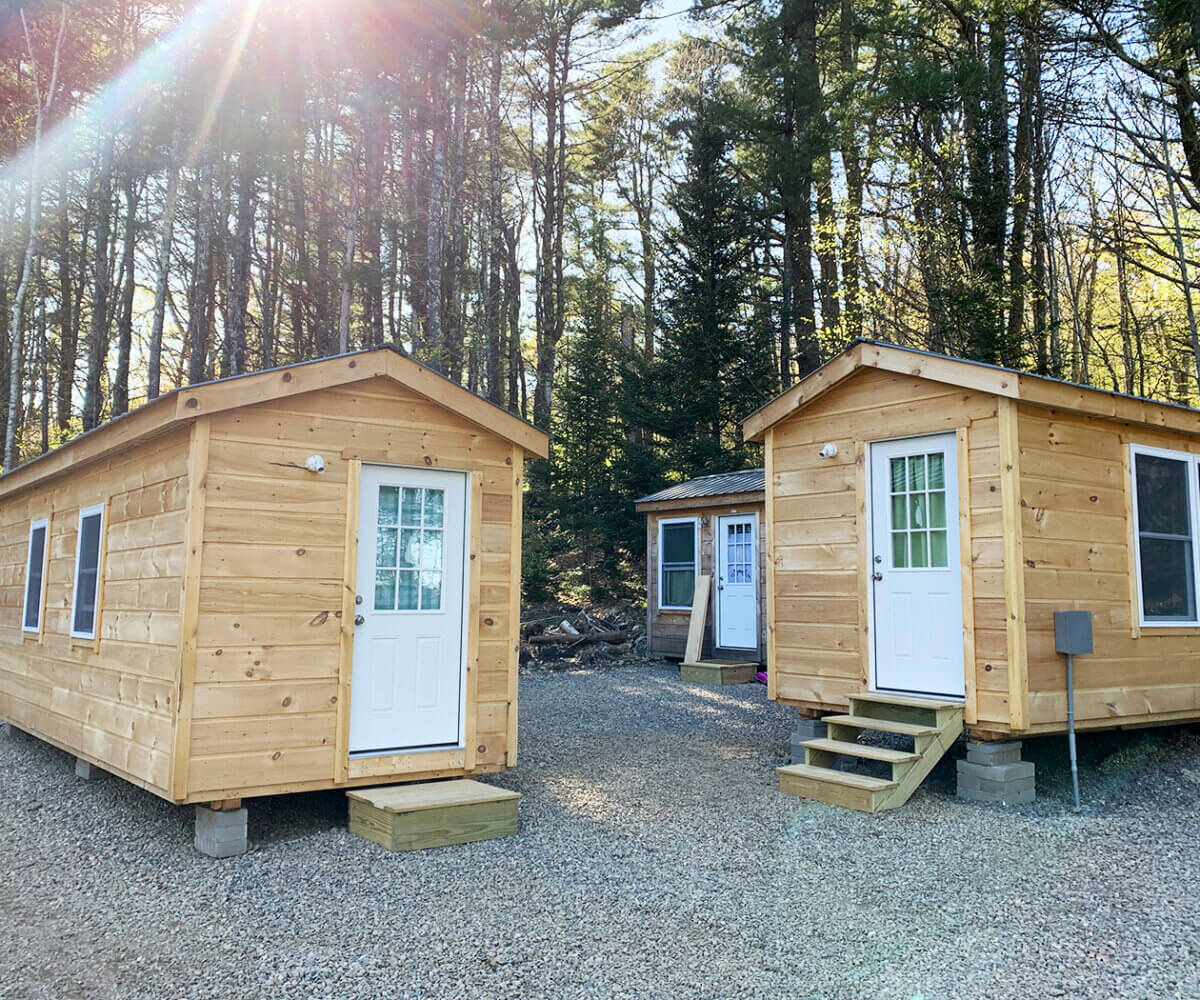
(265, 709)
(110, 700)
(821, 628)
(666, 631)
(1079, 554)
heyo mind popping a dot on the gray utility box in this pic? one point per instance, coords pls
(1073, 632)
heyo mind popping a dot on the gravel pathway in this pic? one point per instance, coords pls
(655, 859)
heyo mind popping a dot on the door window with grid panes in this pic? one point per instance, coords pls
(739, 552)
(918, 512)
(408, 549)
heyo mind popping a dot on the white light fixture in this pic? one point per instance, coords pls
(829, 450)
(315, 463)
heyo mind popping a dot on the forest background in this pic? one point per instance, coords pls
(630, 225)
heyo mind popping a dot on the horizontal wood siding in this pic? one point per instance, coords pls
(265, 712)
(111, 700)
(1077, 548)
(821, 625)
(666, 631)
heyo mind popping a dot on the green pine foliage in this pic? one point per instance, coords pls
(715, 364)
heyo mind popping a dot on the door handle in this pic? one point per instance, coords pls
(359, 619)
(877, 576)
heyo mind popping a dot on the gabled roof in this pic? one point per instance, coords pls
(180, 406)
(724, 485)
(1036, 389)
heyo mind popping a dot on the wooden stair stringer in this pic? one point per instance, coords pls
(934, 727)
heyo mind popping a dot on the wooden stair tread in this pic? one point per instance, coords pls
(831, 777)
(882, 725)
(720, 663)
(907, 700)
(862, 750)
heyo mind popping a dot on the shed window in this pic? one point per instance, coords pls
(678, 556)
(1165, 508)
(35, 574)
(87, 572)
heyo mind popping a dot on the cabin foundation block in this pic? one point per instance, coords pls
(221, 833)
(994, 772)
(85, 770)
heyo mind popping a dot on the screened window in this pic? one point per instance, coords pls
(87, 572)
(35, 574)
(677, 554)
(1165, 495)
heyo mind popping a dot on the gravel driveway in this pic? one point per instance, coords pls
(655, 859)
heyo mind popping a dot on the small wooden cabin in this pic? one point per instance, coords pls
(708, 526)
(297, 579)
(926, 516)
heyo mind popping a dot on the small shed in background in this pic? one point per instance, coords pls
(707, 526)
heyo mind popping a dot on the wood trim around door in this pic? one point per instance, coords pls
(717, 541)
(341, 756)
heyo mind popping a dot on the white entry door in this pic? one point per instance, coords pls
(737, 581)
(406, 684)
(915, 566)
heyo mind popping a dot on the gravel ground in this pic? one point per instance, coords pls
(655, 859)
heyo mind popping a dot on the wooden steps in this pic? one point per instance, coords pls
(432, 813)
(932, 724)
(718, 672)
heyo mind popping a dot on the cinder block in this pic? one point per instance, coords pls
(1011, 783)
(994, 753)
(86, 771)
(221, 833)
(810, 729)
(1018, 771)
(1006, 797)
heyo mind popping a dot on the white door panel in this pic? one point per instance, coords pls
(915, 566)
(406, 678)
(736, 541)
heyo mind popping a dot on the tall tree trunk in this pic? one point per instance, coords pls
(200, 312)
(374, 146)
(434, 346)
(162, 271)
(1023, 155)
(492, 244)
(120, 389)
(239, 291)
(101, 287)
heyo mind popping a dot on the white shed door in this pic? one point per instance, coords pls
(737, 582)
(406, 684)
(915, 566)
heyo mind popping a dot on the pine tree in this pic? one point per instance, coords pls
(715, 366)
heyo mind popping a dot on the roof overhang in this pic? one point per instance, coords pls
(180, 406)
(1037, 390)
(701, 503)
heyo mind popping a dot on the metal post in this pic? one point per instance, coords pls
(1071, 725)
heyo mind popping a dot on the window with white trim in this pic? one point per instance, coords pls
(35, 575)
(87, 572)
(678, 561)
(1166, 488)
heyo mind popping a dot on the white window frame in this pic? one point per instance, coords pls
(84, 513)
(663, 522)
(1192, 464)
(35, 629)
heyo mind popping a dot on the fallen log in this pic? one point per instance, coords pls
(560, 639)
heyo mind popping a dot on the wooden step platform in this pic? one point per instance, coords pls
(932, 724)
(718, 672)
(432, 813)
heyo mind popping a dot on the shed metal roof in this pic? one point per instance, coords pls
(720, 484)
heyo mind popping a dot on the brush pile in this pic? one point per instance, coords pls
(572, 637)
